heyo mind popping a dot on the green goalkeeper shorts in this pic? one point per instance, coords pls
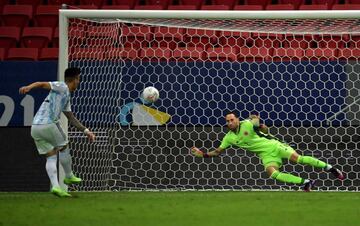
(275, 157)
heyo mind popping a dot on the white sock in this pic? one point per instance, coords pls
(52, 170)
(65, 160)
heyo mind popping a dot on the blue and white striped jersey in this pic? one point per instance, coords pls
(56, 102)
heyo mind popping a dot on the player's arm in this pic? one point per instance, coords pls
(198, 153)
(75, 122)
(35, 85)
(255, 120)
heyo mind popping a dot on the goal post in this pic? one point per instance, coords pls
(297, 69)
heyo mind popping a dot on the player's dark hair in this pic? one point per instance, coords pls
(71, 73)
(232, 113)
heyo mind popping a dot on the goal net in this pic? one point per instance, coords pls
(299, 74)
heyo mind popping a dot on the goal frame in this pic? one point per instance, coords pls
(66, 14)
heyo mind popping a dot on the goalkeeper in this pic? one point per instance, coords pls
(252, 136)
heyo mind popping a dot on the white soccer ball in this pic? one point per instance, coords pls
(150, 94)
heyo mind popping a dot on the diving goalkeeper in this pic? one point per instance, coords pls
(251, 136)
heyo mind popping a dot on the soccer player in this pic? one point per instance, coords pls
(247, 135)
(47, 133)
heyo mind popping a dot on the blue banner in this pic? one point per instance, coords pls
(17, 109)
(192, 93)
(201, 93)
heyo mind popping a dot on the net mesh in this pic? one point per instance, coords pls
(300, 76)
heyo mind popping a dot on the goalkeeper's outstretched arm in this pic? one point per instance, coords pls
(198, 153)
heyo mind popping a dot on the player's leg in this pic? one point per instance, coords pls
(273, 172)
(61, 141)
(41, 135)
(273, 161)
(311, 161)
(51, 169)
(66, 162)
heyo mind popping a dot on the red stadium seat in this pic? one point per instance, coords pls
(9, 36)
(255, 54)
(17, 15)
(130, 3)
(182, 7)
(200, 38)
(354, 41)
(321, 54)
(287, 54)
(167, 37)
(76, 36)
(329, 3)
(280, 7)
(49, 54)
(34, 3)
(2, 54)
(60, 2)
(163, 3)
(149, 7)
(353, 1)
(263, 3)
(116, 7)
(298, 41)
(98, 3)
(86, 54)
(136, 37)
(230, 3)
(55, 39)
(84, 7)
(349, 53)
(313, 7)
(47, 16)
(188, 53)
(295, 3)
(222, 53)
(36, 37)
(233, 38)
(248, 7)
(215, 7)
(155, 53)
(2, 3)
(267, 40)
(98, 36)
(333, 41)
(23, 54)
(197, 3)
(122, 53)
(346, 7)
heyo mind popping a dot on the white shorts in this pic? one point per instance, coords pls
(48, 137)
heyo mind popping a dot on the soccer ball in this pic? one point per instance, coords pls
(150, 94)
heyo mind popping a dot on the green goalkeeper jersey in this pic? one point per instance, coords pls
(247, 138)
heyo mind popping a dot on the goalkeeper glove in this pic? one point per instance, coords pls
(198, 153)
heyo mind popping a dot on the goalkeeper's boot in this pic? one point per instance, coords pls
(308, 186)
(337, 173)
(59, 192)
(72, 180)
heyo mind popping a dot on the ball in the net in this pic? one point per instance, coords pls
(150, 94)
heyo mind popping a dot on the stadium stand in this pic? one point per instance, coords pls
(36, 37)
(9, 37)
(47, 16)
(17, 15)
(22, 54)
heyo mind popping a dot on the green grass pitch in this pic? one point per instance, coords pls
(181, 208)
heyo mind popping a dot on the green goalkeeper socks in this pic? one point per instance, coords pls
(286, 177)
(308, 160)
